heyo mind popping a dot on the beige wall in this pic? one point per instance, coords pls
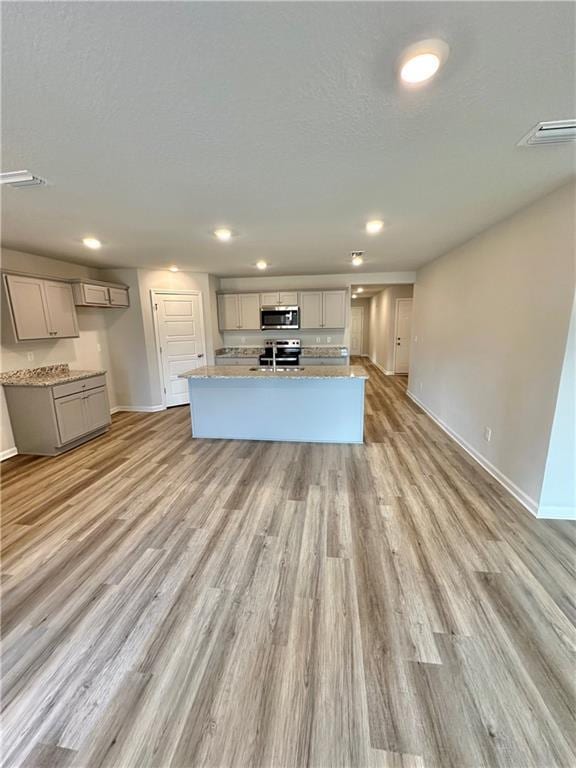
(382, 319)
(89, 351)
(489, 335)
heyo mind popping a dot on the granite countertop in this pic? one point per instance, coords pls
(47, 376)
(327, 351)
(306, 372)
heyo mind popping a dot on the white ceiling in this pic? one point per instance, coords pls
(156, 122)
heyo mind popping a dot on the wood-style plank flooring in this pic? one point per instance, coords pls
(178, 603)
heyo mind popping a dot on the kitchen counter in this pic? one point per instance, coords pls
(237, 352)
(47, 376)
(317, 404)
(305, 372)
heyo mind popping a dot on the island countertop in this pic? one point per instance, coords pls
(305, 372)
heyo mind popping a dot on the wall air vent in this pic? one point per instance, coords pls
(551, 132)
(21, 179)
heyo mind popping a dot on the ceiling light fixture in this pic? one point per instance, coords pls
(359, 290)
(21, 179)
(173, 268)
(261, 264)
(421, 61)
(354, 296)
(357, 258)
(92, 242)
(374, 227)
(223, 234)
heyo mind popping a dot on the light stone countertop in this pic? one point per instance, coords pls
(47, 376)
(305, 372)
(307, 351)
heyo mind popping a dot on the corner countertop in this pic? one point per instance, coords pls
(236, 352)
(305, 372)
(47, 376)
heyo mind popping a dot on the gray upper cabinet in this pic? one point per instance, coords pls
(322, 309)
(334, 309)
(279, 298)
(228, 312)
(41, 309)
(61, 311)
(311, 309)
(98, 294)
(239, 311)
(249, 311)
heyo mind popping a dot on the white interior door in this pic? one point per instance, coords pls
(402, 335)
(357, 331)
(180, 337)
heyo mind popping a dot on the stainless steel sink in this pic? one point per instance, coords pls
(279, 369)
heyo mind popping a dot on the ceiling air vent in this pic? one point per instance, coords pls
(21, 179)
(551, 132)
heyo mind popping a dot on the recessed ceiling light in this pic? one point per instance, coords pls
(354, 296)
(261, 264)
(223, 234)
(421, 61)
(359, 290)
(357, 258)
(373, 227)
(174, 268)
(92, 242)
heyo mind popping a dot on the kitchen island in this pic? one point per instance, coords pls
(311, 404)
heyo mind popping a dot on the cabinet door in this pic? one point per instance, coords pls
(95, 294)
(97, 408)
(271, 299)
(118, 297)
(334, 309)
(61, 310)
(228, 316)
(311, 309)
(71, 417)
(289, 298)
(249, 311)
(28, 307)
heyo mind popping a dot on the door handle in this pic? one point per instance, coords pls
(200, 355)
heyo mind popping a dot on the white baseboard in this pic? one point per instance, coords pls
(138, 408)
(505, 481)
(556, 513)
(8, 453)
(380, 367)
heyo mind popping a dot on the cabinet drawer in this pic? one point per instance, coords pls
(75, 387)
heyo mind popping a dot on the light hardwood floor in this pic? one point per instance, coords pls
(170, 602)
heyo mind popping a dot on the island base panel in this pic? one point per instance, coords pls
(301, 410)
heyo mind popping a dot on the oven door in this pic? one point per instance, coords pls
(279, 318)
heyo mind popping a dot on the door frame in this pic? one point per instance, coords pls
(395, 338)
(361, 308)
(153, 301)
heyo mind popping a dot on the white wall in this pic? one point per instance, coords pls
(314, 282)
(491, 318)
(90, 350)
(558, 497)
(382, 319)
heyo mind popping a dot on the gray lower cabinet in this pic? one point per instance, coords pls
(50, 420)
(40, 309)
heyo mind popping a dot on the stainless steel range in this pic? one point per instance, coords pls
(281, 352)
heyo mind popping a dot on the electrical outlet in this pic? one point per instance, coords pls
(317, 339)
(328, 339)
(30, 356)
(99, 347)
(242, 339)
(487, 434)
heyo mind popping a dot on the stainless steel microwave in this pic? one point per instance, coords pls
(279, 318)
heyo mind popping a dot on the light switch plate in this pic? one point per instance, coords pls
(30, 356)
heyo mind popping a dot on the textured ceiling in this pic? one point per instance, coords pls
(156, 122)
